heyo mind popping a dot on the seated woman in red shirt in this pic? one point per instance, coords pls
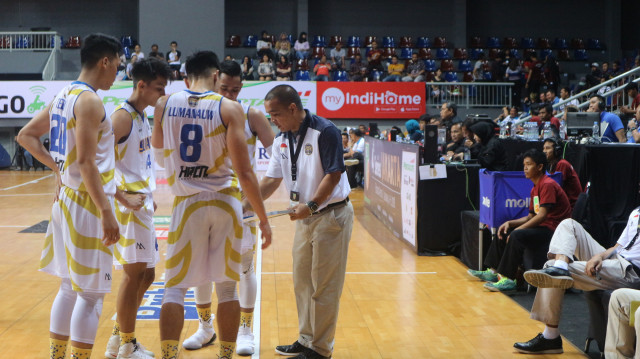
(548, 206)
(570, 180)
(322, 69)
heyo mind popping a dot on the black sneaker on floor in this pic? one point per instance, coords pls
(293, 349)
(310, 354)
(550, 277)
(540, 345)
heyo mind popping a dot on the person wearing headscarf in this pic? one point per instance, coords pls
(487, 148)
(413, 129)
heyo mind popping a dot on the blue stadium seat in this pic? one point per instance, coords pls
(376, 75)
(126, 41)
(516, 53)
(493, 43)
(465, 65)
(291, 39)
(127, 52)
(430, 65)
(302, 75)
(474, 54)
(319, 41)
(53, 41)
(354, 41)
(451, 77)
(594, 44)
(580, 55)
(487, 76)
(405, 53)
(561, 43)
(251, 41)
(527, 43)
(23, 42)
(423, 42)
(388, 41)
(340, 76)
(443, 54)
(544, 53)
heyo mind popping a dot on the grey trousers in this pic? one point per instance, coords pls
(572, 240)
(621, 338)
(320, 248)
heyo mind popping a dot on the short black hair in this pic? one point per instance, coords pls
(394, 55)
(173, 42)
(97, 46)
(230, 68)
(631, 86)
(201, 64)
(571, 108)
(286, 95)
(551, 90)
(150, 69)
(357, 132)
(547, 107)
(156, 45)
(538, 157)
(345, 134)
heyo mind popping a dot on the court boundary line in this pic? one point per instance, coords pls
(26, 183)
(258, 304)
(25, 194)
(373, 273)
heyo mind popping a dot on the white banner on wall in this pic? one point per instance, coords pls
(23, 99)
(408, 192)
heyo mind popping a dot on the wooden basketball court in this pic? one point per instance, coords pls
(394, 304)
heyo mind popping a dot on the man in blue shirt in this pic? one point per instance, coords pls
(614, 129)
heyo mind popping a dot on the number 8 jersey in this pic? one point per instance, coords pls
(62, 134)
(195, 144)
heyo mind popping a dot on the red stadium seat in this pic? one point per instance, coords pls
(475, 42)
(233, 41)
(317, 52)
(388, 52)
(430, 76)
(440, 42)
(351, 53)
(563, 55)
(577, 44)
(467, 77)
(335, 39)
(406, 42)
(510, 43)
(369, 39)
(302, 64)
(460, 54)
(5, 42)
(493, 53)
(529, 52)
(74, 42)
(424, 54)
(272, 38)
(446, 65)
(544, 43)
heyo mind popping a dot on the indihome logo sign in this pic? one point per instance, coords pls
(517, 202)
(333, 99)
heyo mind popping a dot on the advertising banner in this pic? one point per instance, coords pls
(23, 99)
(505, 196)
(371, 99)
(390, 190)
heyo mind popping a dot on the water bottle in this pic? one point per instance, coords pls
(546, 131)
(596, 129)
(630, 137)
(467, 154)
(563, 130)
(513, 130)
(503, 129)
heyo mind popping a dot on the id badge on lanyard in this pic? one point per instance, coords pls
(294, 195)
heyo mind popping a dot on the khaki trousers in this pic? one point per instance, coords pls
(320, 249)
(621, 338)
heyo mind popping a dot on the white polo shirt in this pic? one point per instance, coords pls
(632, 254)
(320, 154)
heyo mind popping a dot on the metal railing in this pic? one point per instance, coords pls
(470, 94)
(29, 41)
(633, 74)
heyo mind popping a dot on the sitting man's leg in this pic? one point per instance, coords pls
(620, 335)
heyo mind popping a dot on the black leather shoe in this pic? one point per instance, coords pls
(292, 350)
(310, 354)
(550, 277)
(540, 345)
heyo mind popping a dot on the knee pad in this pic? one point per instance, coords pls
(247, 264)
(62, 308)
(226, 291)
(174, 295)
(203, 293)
(85, 318)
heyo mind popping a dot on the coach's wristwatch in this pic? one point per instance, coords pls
(313, 206)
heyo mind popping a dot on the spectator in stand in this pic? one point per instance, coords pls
(606, 72)
(509, 115)
(302, 46)
(498, 67)
(532, 104)
(552, 99)
(551, 72)
(173, 58)
(374, 58)
(132, 62)
(615, 69)
(570, 180)
(155, 53)
(363, 129)
(548, 206)
(633, 136)
(283, 46)
(361, 76)
(247, 68)
(546, 115)
(454, 150)
(513, 74)
(632, 91)
(636, 62)
(355, 169)
(535, 76)
(264, 46)
(229, 58)
(395, 70)
(448, 115)
(337, 57)
(321, 70)
(265, 69)
(595, 77)
(283, 70)
(478, 68)
(487, 148)
(565, 93)
(138, 52)
(614, 130)
(435, 89)
(415, 70)
(355, 67)
(413, 130)
(345, 143)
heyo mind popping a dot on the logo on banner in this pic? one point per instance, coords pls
(333, 99)
(486, 202)
(517, 202)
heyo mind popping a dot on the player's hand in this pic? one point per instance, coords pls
(300, 211)
(265, 229)
(58, 186)
(593, 265)
(134, 201)
(110, 229)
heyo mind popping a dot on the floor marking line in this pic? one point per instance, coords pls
(382, 273)
(256, 308)
(26, 183)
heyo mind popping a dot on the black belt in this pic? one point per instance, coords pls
(332, 205)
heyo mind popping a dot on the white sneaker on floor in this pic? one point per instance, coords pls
(203, 337)
(113, 345)
(244, 343)
(145, 350)
(132, 351)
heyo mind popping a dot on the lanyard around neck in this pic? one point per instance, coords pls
(294, 155)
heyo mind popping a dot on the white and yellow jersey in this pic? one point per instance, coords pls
(134, 157)
(63, 147)
(195, 144)
(250, 135)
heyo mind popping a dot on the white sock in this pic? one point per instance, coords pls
(550, 333)
(561, 264)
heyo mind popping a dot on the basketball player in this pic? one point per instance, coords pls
(136, 251)
(199, 138)
(256, 124)
(83, 223)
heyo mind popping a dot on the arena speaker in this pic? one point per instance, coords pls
(430, 144)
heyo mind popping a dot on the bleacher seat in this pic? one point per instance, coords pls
(563, 55)
(334, 40)
(369, 39)
(515, 53)
(475, 42)
(465, 65)
(126, 41)
(460, 54)
(430, 65)
(376, 75)
(526, 43)
(594, 44)
(424, 53)
(352, 51)
(446, 66)
(423, 43)
(53, 41)
(440, 42)
(509, 43)
(561, 43)
(487, 76)
(493, 42)
(544, 43)
(529, 52)
(317, 52)
(493, 53)
(340, 76)
(406, 42)
(5, 42)
(22, 42)
(388, 52)
(450, 76)
(467, 77)
(74, 42)
(272, 39)
(388, 41)
(250, 41)
(302, 75)
(233, 41)
(544, 53)
(291, 39)
(302, 64)
(319, 41)
(127, 52)
(405, 53)
(354, 41)
(580, 55)
(577, 43)
(429, 76)
(442, 54)
(474, 54)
